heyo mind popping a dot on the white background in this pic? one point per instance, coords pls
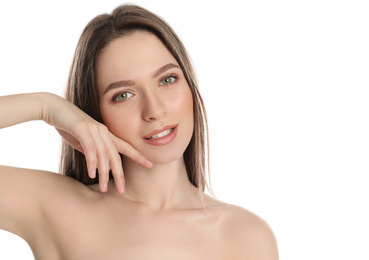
(286, 86)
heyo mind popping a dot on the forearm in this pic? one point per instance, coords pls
(15, 109)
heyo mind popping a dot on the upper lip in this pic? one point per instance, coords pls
(159, 130)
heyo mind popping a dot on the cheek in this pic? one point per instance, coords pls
(117, 122)
(182, 103)
(125, 123)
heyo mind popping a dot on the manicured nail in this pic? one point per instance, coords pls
(105, 187)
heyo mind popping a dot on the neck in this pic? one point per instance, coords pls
(163, 186)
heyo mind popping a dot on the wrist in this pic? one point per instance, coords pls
(43, 101)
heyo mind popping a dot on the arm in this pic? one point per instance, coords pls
(21, 108)
(26, 196)
(100, 146)
(24, 193)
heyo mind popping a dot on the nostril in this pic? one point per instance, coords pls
(153, 109)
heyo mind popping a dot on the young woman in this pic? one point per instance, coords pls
(132, 104)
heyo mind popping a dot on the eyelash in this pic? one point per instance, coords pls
(168, 76)
(128, 92)
(119, 93)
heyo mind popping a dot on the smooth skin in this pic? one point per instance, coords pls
(149, 211)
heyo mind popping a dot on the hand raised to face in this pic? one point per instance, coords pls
(101, 148)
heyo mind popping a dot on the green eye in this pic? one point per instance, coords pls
(168, 80)
(122, 96)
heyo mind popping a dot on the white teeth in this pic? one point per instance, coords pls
(162, 134)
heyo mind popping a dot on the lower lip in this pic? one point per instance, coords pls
(163, 140)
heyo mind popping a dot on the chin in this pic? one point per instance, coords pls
(163, 155)
(164, 160)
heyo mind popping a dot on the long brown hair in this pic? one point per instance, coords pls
(82, 87)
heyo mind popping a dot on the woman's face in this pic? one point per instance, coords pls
(144, 96)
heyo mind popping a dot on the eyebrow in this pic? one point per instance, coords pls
(128, 83)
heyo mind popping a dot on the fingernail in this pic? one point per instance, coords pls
(122, 189)
(93, 174)
(105, 187)
(148, 163)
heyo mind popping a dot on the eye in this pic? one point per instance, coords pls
(122, 96)
(168, 80)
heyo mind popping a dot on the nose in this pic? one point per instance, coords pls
(153, 107)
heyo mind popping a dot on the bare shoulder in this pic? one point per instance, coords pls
(21, 180)
(37, 190)
(42, 207)
(28, 195)
(248, 236)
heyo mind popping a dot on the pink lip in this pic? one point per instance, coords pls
(163, 140)
(157, 131)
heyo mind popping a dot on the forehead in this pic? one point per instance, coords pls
(131, 57)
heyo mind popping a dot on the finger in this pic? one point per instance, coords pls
(128, 150)
(89, 150)
(102, 153)
(103, 171)
(117, 170)
(115, 164)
